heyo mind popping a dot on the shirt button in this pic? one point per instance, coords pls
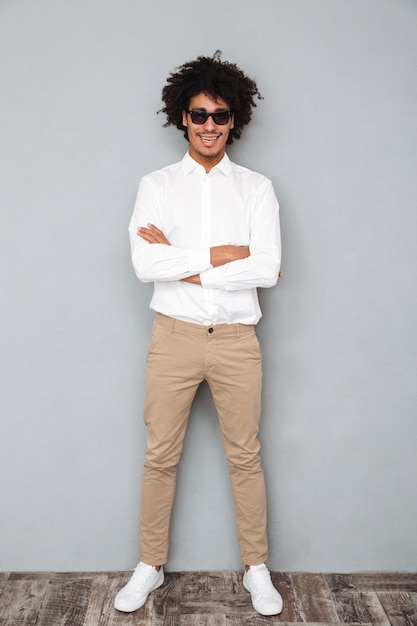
(211, 330)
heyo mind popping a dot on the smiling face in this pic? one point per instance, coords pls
(208, 140)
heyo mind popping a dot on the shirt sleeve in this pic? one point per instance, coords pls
(159, 262)
(261, 268)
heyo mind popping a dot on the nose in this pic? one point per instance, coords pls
(210, 125)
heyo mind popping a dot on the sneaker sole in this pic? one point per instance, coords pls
(268, 613)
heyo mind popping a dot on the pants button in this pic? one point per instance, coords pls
(211, 330)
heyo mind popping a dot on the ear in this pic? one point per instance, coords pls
(232, 122)
(184, 118)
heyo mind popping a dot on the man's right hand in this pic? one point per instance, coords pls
(152, 234)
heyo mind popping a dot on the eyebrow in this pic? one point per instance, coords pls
(207, 111)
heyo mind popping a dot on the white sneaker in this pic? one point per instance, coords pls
(145, 578)
(265, 598)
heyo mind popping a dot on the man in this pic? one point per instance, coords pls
(206, 232)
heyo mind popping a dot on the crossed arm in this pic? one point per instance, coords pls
(219, 255)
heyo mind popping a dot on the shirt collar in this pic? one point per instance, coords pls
(189, 165)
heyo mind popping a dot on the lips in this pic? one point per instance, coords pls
(209, 140)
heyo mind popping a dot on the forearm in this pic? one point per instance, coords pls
(159, 263)
(155, 260)
(220, 255)
(259, 270)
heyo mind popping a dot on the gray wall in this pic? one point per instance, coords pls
(336, 132)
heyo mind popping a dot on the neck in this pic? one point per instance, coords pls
(207, 161)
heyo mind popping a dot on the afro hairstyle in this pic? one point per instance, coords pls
(215, 78)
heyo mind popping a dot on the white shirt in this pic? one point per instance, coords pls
(195, 211)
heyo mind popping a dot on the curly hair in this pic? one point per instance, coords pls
(215, 78)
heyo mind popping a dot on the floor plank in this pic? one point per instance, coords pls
(202, 620)
(374, 608)
(166, 599)
(385, 581)
(98, 594)
(21, 601)
(314, 601)
(290, 611)
(4, 576)
(65, 602)
(353, 605)
(249, 619)
(399, 607)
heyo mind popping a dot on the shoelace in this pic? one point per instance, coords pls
(140, 577)
(262, 581)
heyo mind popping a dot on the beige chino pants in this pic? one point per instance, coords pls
(181, 356)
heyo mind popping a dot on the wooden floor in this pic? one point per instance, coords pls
(207, 599)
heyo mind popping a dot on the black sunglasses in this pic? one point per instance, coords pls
(200, 116)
